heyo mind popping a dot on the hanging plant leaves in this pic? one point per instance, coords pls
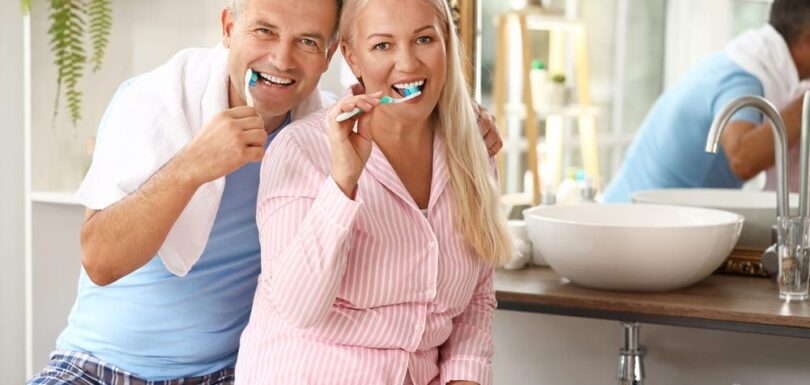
(26, 6)
(100, 14)
(67, 30)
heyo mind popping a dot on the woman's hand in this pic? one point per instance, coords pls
(350, 149)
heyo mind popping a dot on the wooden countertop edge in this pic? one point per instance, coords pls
(652, 308)
(708, 305)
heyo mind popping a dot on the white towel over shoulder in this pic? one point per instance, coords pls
(764, 53)
(150, 118)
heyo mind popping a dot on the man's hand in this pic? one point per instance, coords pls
(126, 235)
(227, 142)
(489, 130)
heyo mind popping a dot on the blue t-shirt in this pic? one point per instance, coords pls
(669, 149)
(160, 326)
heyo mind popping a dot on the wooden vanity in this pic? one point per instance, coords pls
(722, 302)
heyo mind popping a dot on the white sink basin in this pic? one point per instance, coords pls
(633, 247)
(758, 208)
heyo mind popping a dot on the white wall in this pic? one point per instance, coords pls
(12, 302)
(694, 29)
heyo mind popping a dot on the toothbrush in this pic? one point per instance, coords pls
(410, 93)
(251, 77)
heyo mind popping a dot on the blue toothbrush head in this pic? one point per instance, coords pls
(411, 91)
(254, 77)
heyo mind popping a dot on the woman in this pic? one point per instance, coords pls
(378, 245)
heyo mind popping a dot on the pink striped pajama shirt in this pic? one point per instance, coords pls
(362, 291)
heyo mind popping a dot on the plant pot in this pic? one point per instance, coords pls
(539, 88)
(557, 94)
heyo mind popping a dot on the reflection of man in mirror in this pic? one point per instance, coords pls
(668, 151)
(173, 186)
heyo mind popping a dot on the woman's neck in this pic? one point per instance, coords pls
(393, 134)
(408, 148)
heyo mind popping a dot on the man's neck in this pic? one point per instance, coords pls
(800, 58)
(274, 123)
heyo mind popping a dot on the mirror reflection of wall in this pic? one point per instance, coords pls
(635, 48)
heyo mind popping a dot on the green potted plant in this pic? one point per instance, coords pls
(73, 24)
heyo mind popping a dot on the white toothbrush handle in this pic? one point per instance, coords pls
(248, 79)
(248, 96)
(347, 115)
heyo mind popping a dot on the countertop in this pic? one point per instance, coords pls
(723, 302)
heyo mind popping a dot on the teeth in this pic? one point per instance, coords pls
(405, 86)
(275, 79)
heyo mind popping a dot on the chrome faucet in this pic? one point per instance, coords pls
(779, 143)
(793, 254)
(804, 189)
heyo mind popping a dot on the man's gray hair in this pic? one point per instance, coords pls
(238, 6)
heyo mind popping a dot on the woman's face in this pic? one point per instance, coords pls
(397, 44)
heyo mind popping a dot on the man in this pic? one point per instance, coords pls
(668, 151)
(173, 186)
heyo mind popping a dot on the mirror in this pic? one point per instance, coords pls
(591, 71)
(603, 65)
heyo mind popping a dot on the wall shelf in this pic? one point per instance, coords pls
(55, 197)
(518, 110)
(567, 54)
(537, 22)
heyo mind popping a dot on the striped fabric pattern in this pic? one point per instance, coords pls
(77, 368)
(364, 291)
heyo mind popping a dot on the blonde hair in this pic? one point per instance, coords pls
(476, 200)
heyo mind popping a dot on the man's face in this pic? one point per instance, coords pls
(286, 42)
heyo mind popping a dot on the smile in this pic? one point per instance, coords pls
(275, 80)
(401, 87)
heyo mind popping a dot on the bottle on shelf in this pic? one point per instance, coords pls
(568, 190)
(538, 80)
(547, 196)
(587, 190)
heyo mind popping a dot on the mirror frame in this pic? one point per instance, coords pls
(464, 16)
